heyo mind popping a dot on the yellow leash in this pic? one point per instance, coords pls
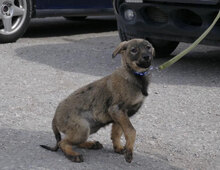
(192, 46)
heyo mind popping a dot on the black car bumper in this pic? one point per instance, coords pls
(169, 21)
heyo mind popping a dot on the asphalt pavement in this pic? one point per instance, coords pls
(178, 126)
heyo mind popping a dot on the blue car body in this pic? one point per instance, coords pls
(70, 4)
(16, 16)
(72, 7)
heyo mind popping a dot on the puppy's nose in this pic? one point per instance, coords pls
(146, 57)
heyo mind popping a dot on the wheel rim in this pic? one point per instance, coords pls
(12, 15)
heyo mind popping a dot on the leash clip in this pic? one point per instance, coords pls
(157, 69)
(154, 68)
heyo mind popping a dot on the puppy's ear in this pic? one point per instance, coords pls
(121, 47)
(153, 51)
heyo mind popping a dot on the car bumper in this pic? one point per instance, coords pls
(169, 21)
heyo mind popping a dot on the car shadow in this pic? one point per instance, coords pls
(59, 26)
(21, 150)
(92, 56)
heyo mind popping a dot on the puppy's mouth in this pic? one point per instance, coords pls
(144, 65)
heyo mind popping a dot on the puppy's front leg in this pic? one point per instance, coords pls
(116, 138)
(122, 119)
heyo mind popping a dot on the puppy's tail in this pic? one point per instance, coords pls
(57, 136)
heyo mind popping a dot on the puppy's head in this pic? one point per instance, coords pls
(137, 54)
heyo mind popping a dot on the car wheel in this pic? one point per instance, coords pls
(76, 18)
(163, 48)
(15, 16)
(122, 35)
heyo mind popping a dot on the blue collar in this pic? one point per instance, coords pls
(144, 73)
(141, 73)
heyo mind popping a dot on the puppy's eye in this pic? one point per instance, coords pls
(148, 47)
(134, 50)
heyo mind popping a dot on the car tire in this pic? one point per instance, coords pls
(76, 18)
(122, 35)
(14, 19)
(163, 48)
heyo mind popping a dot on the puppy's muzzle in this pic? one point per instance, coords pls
(146, 57)
(144, 64)
(145, 61)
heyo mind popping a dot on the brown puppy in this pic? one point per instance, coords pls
(112, 99)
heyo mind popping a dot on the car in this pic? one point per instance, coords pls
(15, 15)
(165, 23)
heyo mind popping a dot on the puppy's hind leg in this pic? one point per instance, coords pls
(76, 134)
(66, 146)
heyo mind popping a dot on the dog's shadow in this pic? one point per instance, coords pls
(92, 56)
(20, 148)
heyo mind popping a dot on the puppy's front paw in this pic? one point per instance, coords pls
(119, 150)
(128, 156)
